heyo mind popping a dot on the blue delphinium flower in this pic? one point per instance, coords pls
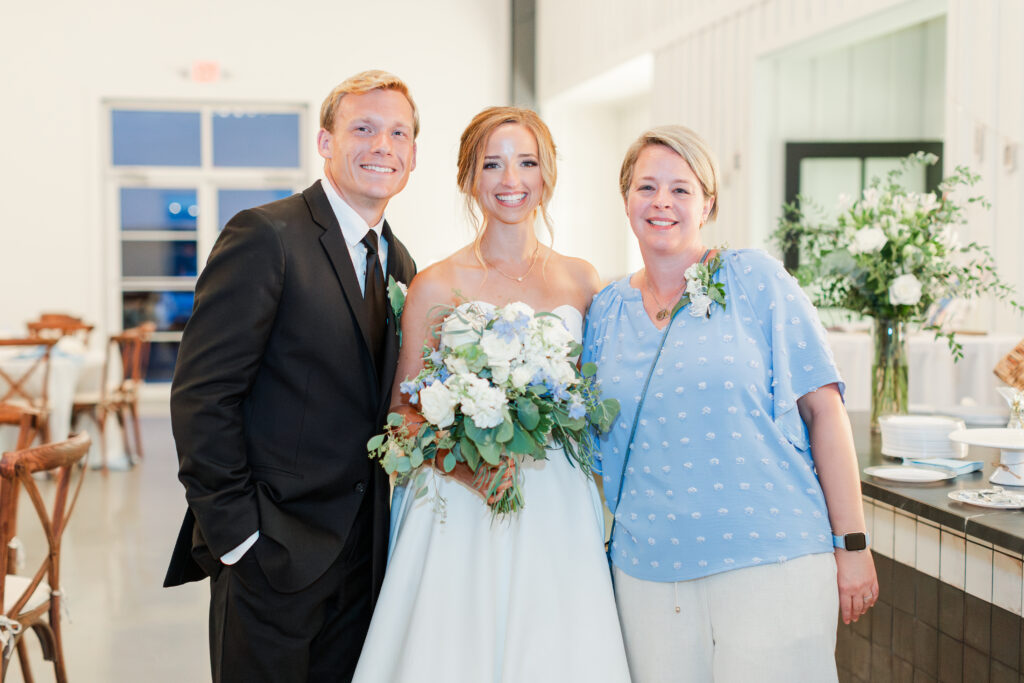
(412, 388)
(576, 408)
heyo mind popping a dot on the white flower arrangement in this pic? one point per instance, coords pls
(894, 253)
(503, 383)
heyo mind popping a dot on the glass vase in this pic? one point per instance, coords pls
(889, 388)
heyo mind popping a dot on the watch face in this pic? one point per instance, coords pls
(855, 541)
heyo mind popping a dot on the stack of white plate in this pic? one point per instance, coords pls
(920, 436)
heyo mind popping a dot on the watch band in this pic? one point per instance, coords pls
(852, 541)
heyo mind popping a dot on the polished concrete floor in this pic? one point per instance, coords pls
(123, 626)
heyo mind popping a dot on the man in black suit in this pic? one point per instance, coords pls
(284, 373)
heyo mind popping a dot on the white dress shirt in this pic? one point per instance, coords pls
(353, 229)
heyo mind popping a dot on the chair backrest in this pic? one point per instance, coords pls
(16, 470)
(133, 347)
(57, 325)
(19, 368)
(27, 420)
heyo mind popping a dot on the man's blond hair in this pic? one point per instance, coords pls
(359, 84)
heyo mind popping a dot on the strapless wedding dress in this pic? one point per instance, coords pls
(523, 598)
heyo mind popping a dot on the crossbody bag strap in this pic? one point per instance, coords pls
(636, 422)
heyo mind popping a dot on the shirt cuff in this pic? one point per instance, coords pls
(236, 554)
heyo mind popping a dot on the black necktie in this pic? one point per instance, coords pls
(375, 298)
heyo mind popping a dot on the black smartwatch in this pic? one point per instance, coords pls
(854, 541)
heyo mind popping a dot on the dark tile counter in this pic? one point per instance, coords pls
(931, 501)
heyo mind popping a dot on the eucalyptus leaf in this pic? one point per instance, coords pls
(505, 431)
(490, 452)
(375, 442)
(528, 413)
(521, 443)
(589, 369)
(395, 419)
(449, 462)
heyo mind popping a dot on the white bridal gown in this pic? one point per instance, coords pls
(522, 598)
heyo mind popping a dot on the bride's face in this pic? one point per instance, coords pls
(510, 185)
(666, 203)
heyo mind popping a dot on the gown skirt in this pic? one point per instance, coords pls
(519, 598)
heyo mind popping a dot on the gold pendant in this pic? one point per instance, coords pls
(662, 314)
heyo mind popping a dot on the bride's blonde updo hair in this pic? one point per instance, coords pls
(471, 160)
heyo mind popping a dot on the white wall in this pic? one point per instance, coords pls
(60, 60)
(749, 74)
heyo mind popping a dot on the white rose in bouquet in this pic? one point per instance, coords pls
(868, 240)
(905, 290)
(554, 334)
(499, 371)
(463, 326)
(500, 347)
(522, 374)
(437, 402)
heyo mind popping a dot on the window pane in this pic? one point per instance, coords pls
(824, 179)
(162, 356)
(155, 138)
(256, 140)
(230, 202)
(169, 310)
(156, 209)
(913, 177)
(157, 259)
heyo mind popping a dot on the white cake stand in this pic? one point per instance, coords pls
(1010, 443)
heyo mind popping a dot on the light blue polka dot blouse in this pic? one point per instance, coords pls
(720, 475)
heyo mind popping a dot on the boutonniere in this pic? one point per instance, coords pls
(701, 292)
(396, 296)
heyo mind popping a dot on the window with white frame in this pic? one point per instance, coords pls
(176, 173)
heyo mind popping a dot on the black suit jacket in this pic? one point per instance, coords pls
(275, 395)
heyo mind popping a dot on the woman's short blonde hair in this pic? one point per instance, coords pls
(471, 157)
(689, 145)
(359, 84)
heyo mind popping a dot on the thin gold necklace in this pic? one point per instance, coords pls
(663, 311)
(533, 261)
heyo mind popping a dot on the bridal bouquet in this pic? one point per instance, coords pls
(502, 383)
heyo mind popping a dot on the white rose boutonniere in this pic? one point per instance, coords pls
(397, 292)
(701, 291)
(905, 291)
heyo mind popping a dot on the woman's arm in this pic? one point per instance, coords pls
(836, 462)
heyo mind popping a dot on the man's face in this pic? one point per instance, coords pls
(371, 150)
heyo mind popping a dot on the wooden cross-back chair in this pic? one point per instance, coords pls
(32, 363)
(120, 399)
(57, 325)
(34, 601)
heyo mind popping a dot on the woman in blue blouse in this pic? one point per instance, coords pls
(741, 477)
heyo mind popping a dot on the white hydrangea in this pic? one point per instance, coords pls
(480, 401)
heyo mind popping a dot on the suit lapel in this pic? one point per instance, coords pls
(337, 251)
(394, 270)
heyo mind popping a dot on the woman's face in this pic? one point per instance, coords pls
(666, 204)
(510, 185)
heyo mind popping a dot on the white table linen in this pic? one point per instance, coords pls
(935, 380)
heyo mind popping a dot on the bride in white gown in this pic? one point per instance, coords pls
(525, 597)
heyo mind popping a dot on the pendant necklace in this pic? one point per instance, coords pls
(533, 261)
(663, 311)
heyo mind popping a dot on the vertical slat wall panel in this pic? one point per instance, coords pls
(707, 56)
